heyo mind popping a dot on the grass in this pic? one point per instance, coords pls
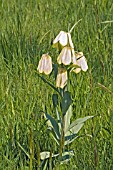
(27, 30)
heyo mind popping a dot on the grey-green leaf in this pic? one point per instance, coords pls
(55, 67)
(66, 156)
(46, 155)
(45, 165)
(79, 121)
(66, 102)
(52, 123)
(67, 118)
(75, 129)
(55, 100)
(69, 139)
(54, 136)
(51, 85)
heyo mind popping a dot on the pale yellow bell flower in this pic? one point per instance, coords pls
(64, 39)
(61, 79)
(66, 56)
(81, 63)
(45, 64)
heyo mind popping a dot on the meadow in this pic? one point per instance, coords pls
(28, 28)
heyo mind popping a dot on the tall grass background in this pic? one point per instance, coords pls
(27, 30)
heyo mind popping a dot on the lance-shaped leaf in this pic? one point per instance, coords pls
(45, 164)
(54, 136)
(67, 118)
(69, 139)
(52, 123)
(23, 150)
(51, 85)
(66, 156)
(55, 100)
(74, 130)
(66, 102)
(55, 67)
(55, 103)
(77, 125)
(46, 155)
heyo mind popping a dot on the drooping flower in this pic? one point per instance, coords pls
(61, 79)
(66, 56)
(64, 39)
(81, 63)
(45, 64)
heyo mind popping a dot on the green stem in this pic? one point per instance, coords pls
(31, 149)
(74, 25)
(38, 155)
(51, 85)
(50, 161)
(62, 140)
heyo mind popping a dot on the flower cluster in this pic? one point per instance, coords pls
(66, 57)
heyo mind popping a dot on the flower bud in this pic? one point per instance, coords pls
(61, 79)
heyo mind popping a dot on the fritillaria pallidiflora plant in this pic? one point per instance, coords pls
(62, 129)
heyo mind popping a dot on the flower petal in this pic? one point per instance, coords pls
(48, 65)
(65, 56)
(64, 79)
(57, 38)
(84, 65)
(41, 65)
(61, 79)
(74, 60)
(81, 61)
(45, 64)
(70, 40)
(58, 80)
(77, 70)
(60, 38)
(63, 39)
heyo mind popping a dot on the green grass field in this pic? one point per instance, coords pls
(27, 30)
